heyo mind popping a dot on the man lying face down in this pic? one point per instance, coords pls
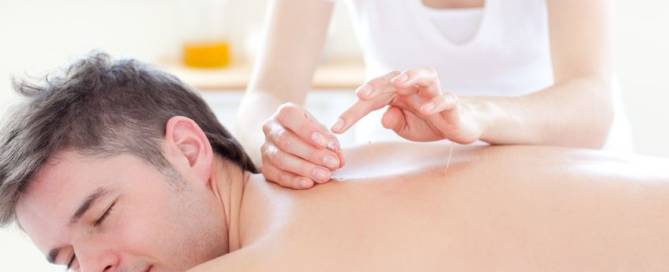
(113, 166)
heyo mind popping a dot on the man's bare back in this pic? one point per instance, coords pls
(398, 207)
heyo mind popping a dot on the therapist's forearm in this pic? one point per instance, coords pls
(576, 112)
(294, 38)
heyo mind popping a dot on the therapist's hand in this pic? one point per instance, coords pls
(418, 109)
(298, 151)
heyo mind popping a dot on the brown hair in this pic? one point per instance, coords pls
(100, 107)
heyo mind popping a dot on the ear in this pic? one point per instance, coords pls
(190, 145)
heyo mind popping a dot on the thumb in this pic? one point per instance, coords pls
(408, 126)
(393, 119)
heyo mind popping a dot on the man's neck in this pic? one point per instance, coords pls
(243, 201)
(228, 183)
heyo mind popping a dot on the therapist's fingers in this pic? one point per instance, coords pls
(294, 165)
(373, 95)
(297, 120)
(359, 109)
(425, 78)
(439, 103)
(284, 178)
(408, 125)
(370, 89)
(393, 119)
(287, 141)
(293, 117)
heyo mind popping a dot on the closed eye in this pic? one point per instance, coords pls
(96, 223)
(104, 215)
(69, 264)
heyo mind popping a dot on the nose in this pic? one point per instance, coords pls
(94, 260)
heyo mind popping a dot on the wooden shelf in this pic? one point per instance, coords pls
(337, 74)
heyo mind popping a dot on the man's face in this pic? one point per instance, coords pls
(120, 214)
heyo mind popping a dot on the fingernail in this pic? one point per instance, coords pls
(333, 145)
(319, 139)
(321, 175)
(330, 161)
(339, 125)
(305, 183)
(428, 107)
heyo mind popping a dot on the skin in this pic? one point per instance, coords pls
(567, 210)
(580, 53)
(395, 207)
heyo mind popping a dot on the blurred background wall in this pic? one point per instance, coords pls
(39, 36)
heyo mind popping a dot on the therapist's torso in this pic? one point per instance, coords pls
(500, 49)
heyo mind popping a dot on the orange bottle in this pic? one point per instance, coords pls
(205, 42)
(208, 54)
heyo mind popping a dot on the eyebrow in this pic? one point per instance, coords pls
(83, 208)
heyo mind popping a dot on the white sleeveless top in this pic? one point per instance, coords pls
(501, 49)
(468, 21)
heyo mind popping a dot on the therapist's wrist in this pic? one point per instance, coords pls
(486, 113)
(255, 107)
